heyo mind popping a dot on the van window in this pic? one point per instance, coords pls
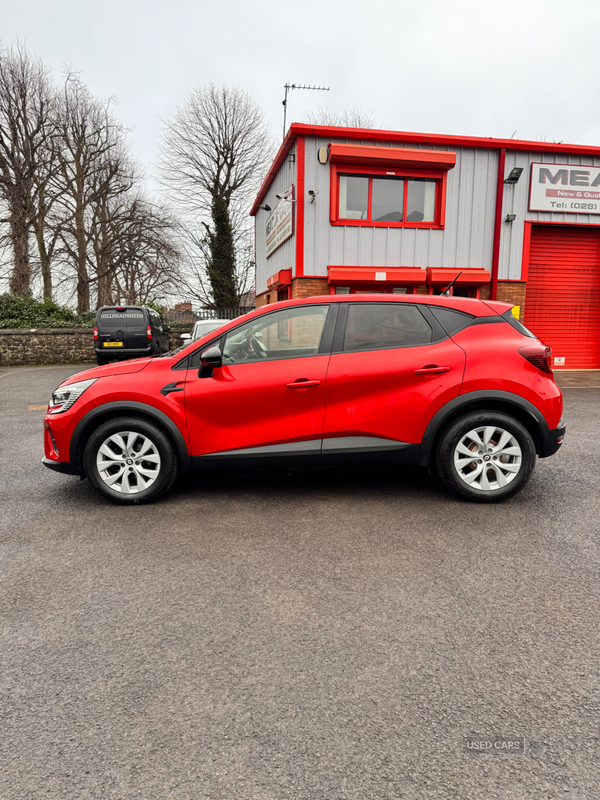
(112, 320)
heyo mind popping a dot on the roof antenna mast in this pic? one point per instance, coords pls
(288, 87)
(446, 292)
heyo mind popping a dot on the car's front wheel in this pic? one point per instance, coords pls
(486, 456)
(130, 460)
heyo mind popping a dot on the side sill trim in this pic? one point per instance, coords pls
(360, 444)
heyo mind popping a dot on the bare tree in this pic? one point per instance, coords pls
(214, 153)
(146, 256)
(27, 162)
(347, 118)
(93, 168)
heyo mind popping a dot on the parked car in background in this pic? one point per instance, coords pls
(202, 327)
(454, 384)
(123, 332)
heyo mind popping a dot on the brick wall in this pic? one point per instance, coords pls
(309, 287)
(512, 292)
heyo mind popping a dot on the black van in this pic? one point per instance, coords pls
(129, 332)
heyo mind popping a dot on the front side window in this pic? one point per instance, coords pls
(290, 333)
(377, 326)
(388, 200)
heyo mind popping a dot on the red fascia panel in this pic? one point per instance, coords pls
(443, 139)
(405, 275)
(440, 276)
(281, 278)
(391, 156)
(404, 137)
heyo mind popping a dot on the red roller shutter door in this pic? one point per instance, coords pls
(562, 303)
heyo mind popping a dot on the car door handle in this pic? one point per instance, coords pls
(431, 369)
(171, 387)
(302, 383)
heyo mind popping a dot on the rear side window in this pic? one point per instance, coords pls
(518, 325)
(378, 326)
(451, 321)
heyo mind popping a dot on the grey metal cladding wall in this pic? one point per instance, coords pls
(516, 201)
(466, 240)
(284, 257)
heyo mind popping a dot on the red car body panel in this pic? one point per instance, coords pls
(250, 405)
(378, 393)
(375, 393)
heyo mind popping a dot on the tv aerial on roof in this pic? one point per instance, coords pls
(289, 86)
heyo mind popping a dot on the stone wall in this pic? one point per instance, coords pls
(19, 346)
(22, 347)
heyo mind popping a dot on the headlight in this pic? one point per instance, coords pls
(64, 397)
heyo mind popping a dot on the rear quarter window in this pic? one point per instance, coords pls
(517, 324)
(451, 321)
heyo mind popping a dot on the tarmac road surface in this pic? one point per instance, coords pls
(313, 634)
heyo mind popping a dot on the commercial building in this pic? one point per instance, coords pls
(346, 210)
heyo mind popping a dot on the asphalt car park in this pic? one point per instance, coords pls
(319, 633)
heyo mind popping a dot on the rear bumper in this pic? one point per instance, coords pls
(553, 440)
(61, 466)
(138, 352)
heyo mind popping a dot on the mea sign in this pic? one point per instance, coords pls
(565, 188)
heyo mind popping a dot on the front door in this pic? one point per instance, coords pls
(390, 377)
(268, 398)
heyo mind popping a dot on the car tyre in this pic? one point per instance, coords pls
(486, 456)
(130, 460)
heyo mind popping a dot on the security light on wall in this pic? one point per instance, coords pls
(265, 207)
(510, 218)
(514, 175)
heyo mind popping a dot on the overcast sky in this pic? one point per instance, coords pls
(441, 66)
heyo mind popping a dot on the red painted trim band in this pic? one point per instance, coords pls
(299, 271)
(498, 222)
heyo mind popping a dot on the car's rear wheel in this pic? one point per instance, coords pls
(486, 456)
(130, 460)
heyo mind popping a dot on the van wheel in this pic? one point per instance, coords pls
(486, 456)
(130, 460)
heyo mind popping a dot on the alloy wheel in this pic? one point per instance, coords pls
(488, 458)
(128, 462)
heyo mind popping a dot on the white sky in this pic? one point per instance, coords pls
(441, 66)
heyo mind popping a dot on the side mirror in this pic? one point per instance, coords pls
(211, 359)
(186, 336)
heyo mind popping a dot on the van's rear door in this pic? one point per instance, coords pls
(137, 329)
(112, 329)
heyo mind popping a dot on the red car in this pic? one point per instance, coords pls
(453, 384)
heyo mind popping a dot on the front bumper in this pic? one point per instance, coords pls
(61, 466)
(553, 440)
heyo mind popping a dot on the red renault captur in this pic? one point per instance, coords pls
(458, 385)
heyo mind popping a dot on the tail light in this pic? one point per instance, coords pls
(95, 333)
(149, 332)
(539, 355)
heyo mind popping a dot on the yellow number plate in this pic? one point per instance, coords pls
(113, 344)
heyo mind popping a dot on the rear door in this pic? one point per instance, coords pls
(393, 370)
(112, 329)
(137, 328)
